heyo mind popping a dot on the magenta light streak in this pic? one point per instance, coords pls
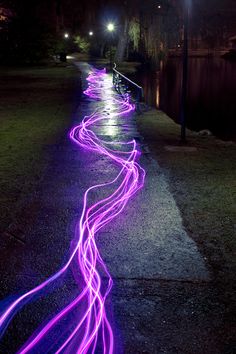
(93, 324)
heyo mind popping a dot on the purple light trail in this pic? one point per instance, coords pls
(92, 324)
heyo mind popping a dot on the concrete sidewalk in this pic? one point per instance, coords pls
(160, 279)
(161, 285)
(148, 239)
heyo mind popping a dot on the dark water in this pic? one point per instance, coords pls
(211, 100)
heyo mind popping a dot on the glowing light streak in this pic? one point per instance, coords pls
(92, 324)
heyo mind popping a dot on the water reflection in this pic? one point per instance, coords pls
(211, 100)
(158, 96)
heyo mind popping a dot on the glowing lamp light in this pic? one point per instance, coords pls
(66, 35)
(91, 33)
(159, 6)
(110, 27)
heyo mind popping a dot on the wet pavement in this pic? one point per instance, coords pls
(162, 300)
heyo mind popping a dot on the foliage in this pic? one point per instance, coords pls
(82, 44)
(134, 33)
(27, 41)
(110, 53)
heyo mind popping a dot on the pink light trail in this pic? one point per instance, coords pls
(89, 270)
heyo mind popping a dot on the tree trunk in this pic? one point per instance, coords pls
(122, 44)
(102, 47)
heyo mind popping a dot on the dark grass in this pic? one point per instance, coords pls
(36, 110)
(204, 186)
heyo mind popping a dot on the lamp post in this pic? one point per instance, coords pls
(183, 102)
(66, 37)
(110, 28)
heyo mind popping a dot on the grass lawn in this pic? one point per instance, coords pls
(203, 183)
(36, 109)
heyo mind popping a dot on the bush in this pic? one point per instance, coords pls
(82, 44)
(110, 53)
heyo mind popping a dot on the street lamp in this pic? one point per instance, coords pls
(183, 104)
(66, 36)
(110, 28)
(91, 33)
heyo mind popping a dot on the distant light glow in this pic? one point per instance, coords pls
(158, 96)
(91, 33)
(91, 324)
(66, 35)
(110, 27)
(159, 6)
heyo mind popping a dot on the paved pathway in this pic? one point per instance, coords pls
(148, 240)
(160, 279)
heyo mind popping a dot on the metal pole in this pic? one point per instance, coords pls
(110, 54)
(185, 73)
(137, 105)
(110, 57)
